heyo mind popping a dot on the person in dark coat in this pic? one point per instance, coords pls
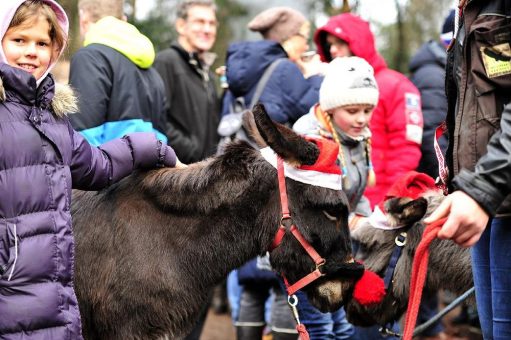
(193, 104)
(42, 159)
(427, 69)
(294, 85)
(118, 90)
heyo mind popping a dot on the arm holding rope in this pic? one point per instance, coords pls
(466, 219)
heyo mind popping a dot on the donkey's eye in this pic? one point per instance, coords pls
(329, 216)
(333, 213)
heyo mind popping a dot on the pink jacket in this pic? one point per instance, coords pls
(396, 124)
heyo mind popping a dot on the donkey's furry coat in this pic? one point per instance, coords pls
(149, 248)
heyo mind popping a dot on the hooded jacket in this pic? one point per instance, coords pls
(118, 90)
(396, 124)
(287, 94)
(479, 116)
(42, 159)
(427, 69)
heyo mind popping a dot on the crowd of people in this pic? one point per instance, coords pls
(128, 107)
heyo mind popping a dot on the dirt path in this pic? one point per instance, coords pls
(219, 327)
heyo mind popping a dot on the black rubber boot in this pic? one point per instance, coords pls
(284, 336)
(249, 333)
(219, 302)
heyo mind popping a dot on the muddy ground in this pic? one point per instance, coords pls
(219, 327)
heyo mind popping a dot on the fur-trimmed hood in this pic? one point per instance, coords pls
(64, 101)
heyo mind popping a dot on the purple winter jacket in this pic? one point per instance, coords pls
(41, 159)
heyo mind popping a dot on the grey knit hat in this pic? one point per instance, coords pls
(348, 81)
(278, 23)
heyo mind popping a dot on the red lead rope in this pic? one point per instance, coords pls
(419, 271)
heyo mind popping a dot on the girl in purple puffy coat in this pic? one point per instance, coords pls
(41, 159)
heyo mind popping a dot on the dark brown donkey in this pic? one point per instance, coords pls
(149, 248)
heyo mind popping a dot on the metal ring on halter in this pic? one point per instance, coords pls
(388, 332)
(292, 300)
(319, 265)
(398, 241)
(286, 218)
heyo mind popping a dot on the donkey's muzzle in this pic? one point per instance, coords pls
(347, 270)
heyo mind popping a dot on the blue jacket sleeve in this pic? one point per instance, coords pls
(93, 168)
(289, 95)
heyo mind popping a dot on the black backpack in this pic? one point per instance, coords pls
(230, 126)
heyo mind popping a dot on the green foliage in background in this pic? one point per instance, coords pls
(421, 20)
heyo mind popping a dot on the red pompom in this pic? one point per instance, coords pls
(370, 289)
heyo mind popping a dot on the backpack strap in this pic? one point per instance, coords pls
(263, 81)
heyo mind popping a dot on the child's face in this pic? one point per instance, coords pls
(29, 47)
(338, 47)
(352, 119)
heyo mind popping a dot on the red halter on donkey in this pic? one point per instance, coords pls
(369, 289)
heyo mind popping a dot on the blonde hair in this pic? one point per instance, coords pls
(28, 12)
(98, 9)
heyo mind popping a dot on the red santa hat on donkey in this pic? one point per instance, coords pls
(325, 172)
(413, 185)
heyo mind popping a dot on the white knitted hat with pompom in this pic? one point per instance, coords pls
(348, 81)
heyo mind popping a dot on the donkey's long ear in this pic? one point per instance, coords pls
(250, 127)
(404, 210)
(284, 141)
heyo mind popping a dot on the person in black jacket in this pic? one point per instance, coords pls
(193, 111)
(118, 90)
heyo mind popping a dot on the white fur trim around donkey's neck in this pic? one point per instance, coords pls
(316, 178)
